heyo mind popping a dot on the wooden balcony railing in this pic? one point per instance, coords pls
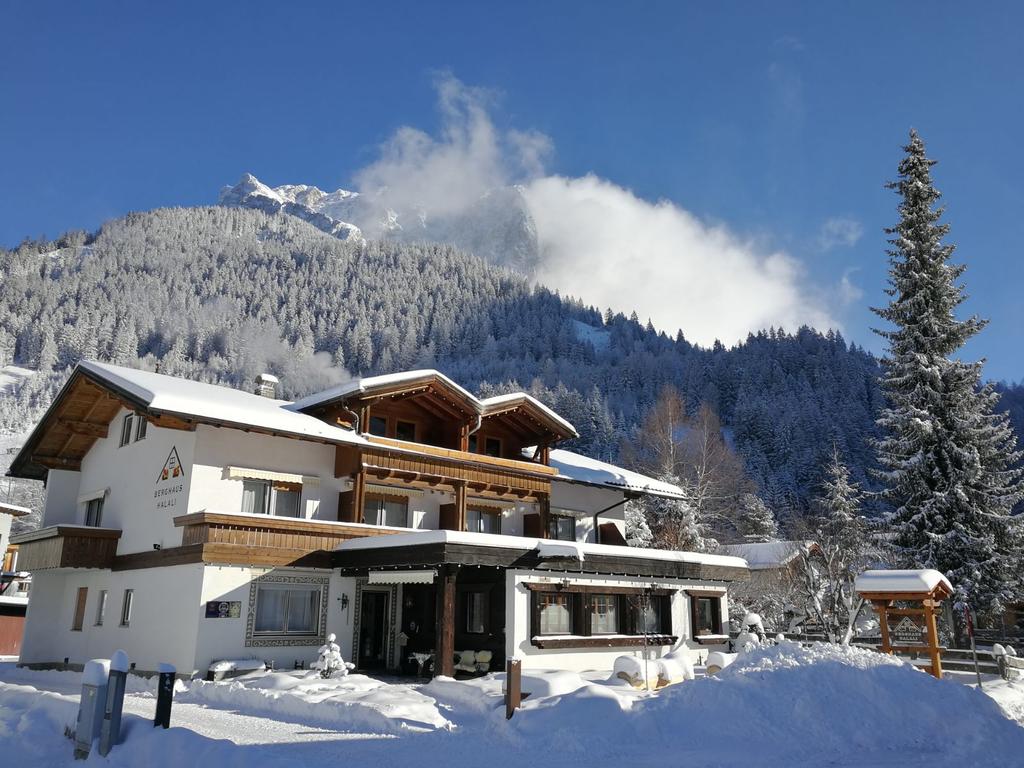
(66, 546)
(268, 532)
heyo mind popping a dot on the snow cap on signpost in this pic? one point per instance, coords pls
(926, 587)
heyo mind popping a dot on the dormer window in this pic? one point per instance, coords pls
(127, 427)
(140, 430)
(378, 426)
(492, 446)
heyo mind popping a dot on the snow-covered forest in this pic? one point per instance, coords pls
(221, 294)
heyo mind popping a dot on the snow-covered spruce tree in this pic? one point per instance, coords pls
(841, 549)
(638, 532)
(947, 456)
(756, 522)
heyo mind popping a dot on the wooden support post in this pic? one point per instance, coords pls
(933, 638)
(882, 606)
(460, 506)
(513, 686)
(544, 509)
(358, 496)
(444, 628)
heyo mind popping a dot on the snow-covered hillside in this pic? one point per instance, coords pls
(497, 228)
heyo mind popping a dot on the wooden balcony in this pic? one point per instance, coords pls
(67, 546)
(433, 467)
(264, 539)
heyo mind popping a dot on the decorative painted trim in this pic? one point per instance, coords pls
(264, 641)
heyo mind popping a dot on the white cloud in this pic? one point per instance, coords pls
(612, 248)
(839, 232)
(599, 241)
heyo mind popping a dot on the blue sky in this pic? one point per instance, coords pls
(777, 122)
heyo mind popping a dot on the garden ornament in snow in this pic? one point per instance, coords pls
(330, 662)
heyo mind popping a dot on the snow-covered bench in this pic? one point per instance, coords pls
(222, 670)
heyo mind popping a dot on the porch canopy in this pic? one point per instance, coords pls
(432, 549)
(422, 553)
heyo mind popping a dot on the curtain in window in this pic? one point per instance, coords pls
(555, 618)
(286, 503)
(271, 610)
(604, 615)
(302, 610)
(395, 513)
(254, 497)
(650, 617)
(476, 611)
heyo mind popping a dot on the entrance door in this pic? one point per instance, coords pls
(373, 631)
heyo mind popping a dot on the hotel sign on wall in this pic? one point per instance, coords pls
(170, 483)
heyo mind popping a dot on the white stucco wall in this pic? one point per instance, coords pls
(225, 638)
(517, 623)
(61, 504)
(132, 473)
(218, 448)
(162, 626)
(584, 501)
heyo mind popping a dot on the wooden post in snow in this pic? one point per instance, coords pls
(513, 686)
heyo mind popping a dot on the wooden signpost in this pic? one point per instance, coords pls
(907, 603)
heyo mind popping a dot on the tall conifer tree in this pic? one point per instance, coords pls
(947, 457)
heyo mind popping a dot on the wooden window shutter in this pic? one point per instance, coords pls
(531, 525)
(346, 507)
(79, 620)
(449, 517)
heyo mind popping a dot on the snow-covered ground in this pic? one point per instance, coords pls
(785, 706)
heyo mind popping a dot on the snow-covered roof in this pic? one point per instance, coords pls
(370, 383)
(498, 402)
(583, 469)
(924, 580)
(768, 554)
(14, 510)
(527, 543)
(210, 402)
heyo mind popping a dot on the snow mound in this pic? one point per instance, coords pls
(788, 705)
(349, 703)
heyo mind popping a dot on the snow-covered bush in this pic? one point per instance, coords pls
(329, 661)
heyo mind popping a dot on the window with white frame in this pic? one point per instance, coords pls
(127, 427)
(94, 512)
(126, 607)
(483, 520)
(140, 429)
(562, 527)
(287, 609)
(267, 497)
(386, 509)
(101, 608)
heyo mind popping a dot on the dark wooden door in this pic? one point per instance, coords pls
(373, 631)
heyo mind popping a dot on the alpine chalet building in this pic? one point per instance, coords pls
(428, 529)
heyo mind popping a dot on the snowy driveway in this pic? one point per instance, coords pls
(787, 706)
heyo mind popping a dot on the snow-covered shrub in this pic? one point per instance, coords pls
(329, 661)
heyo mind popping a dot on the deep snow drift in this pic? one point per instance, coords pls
(784, 706)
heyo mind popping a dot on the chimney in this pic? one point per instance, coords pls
(266, 385)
